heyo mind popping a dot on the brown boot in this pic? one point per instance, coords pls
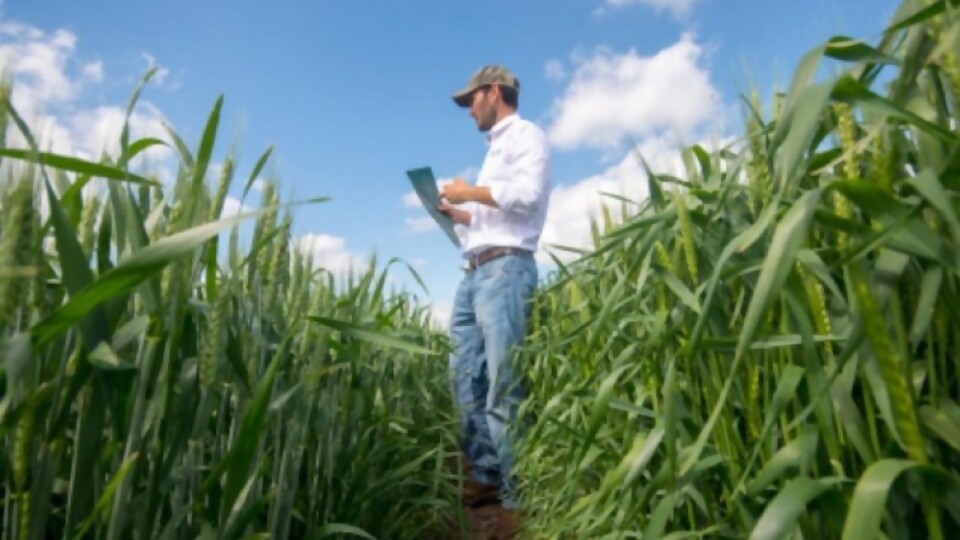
(477, 494)
(508, 524)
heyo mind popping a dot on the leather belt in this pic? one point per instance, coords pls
(475, 261)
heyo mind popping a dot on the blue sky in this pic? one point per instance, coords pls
(352, 94)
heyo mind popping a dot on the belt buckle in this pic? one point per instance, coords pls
(471, 264)
(487, 255)
(477, 260)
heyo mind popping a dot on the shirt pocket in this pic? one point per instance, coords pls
(496, 166)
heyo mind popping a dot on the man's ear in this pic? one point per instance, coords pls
(495, 91)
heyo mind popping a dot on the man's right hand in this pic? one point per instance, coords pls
(458, 216)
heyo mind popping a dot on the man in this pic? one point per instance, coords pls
(499, 222)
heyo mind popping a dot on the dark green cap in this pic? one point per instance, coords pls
(484, 76)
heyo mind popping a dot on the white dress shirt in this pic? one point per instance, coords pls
(517, 171)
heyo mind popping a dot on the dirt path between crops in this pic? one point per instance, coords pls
(491, 522)
(486, 522)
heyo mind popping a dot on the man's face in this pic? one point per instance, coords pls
(484, 109)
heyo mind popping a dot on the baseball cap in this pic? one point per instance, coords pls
(485, 76)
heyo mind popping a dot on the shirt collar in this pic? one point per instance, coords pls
(500, 127)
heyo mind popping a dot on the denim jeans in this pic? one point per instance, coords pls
(489, 318)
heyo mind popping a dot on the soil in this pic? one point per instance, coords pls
(486, 522)
(491, 522)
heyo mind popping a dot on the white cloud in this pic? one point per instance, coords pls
(160, 77)
(258, 185)
(97, 130)
(421, 224)
(411, 200)
(573, 207)
(232, 206)
(329, 252)
(38, 62)
(48, 87)
(440, 311)
(554, 70)
(660, 103)
(93, 71)
(614, 97)
(677, 8)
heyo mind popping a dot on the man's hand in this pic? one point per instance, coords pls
(457, 192)
(458, 216)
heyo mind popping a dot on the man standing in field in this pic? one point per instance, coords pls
(499, 222)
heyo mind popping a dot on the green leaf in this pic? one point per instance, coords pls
(372, 336)
(853, 423)
(87, 447)
(787, 240)
(94, 319)
(131, 102)
(644, 447)
(102, 356)
(780, 516)
(658, 521)
(76, 165)
(653, 183)
(16, 359)
(341, 528)
(612, 299)
(797, 454)
(244, 451)
(206, 147)
(130, 331)
(929, 294)
(740, 243)
(256, 172)
(107, 496)
(786, 390)
(802, 79)
(242, 514)
(869, 197)
(684, 535)
(929, 187)
(413, 273)
(867, 507)
(684, 294)
(854, 50)
(137, 147)
(804, 124)
(278, 403)
(932, 10)
(942, 425)
(599, 408)
(139, 239)
(789, 237)
(185, 155)
(849, 89)
(132, 271)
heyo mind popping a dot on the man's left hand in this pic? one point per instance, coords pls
(457, 192)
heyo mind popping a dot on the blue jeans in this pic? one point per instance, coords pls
(489, 318)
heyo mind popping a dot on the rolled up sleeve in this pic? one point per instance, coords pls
(524, 191)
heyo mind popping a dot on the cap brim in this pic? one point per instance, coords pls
(464, 97)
